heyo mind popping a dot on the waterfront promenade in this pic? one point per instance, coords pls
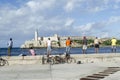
(30, 68)
(56, 72)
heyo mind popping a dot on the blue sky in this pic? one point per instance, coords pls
(20, 18)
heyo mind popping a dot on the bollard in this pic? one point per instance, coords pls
(43, 60)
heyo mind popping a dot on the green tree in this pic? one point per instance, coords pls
(106, 43)
(118, 42)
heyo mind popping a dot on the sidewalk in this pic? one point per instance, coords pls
(57, 71)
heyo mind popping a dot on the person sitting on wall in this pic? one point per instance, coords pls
(32, 52)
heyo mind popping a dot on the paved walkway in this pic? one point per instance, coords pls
(56, 72)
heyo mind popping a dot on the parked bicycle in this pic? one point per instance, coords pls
(46, 60)
(58, 59)
(3, 62)
(64, 59)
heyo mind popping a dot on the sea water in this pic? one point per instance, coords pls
(55, 51)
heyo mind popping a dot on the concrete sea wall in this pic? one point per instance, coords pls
(84, 58)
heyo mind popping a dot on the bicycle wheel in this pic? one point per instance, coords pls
(58, 60)
(6, 62)
(1, 63)
(71, 60)
(52, 61)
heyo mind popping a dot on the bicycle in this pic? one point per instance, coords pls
(65, 59)
(70, 59)
(3, 62)
(49, 59)
(58, 59)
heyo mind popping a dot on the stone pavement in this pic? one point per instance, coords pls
(57, 71)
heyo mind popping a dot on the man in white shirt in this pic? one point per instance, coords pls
(10, 45)
(48, 47)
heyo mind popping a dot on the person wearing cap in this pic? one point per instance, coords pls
(113, 44)
(10, 45)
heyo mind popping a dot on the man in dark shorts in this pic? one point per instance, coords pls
(96, 44)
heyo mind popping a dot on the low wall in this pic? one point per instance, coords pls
(84, 58)
(105, 57)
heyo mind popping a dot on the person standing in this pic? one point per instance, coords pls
(48, 47)
(96, 44)
(84, 45)
(10, 45)
(113, 44)
(68, 45)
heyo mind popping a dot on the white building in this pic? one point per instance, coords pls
(41, 41)
(57, 41)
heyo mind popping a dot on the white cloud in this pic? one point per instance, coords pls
(96, 9)
(0, 18)
(91, 5)
(113, 19)
(117, 1)
(43, 15)
(96, 5)
(19, 12)
(116, 6)
(69, 6)
(69, 22)
(37, 5)
(22, 21)
(86, 27)
(104, 35)
(72, 4)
